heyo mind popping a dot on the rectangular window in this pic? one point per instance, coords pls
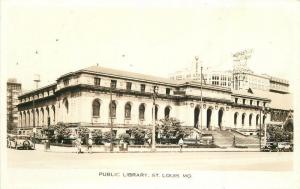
(244, 101)
(66, 82)
(257, 103)
(251, 102)
(264, 104)
(113, 84)
(143, 88)
(128, 86)
(236, 100)
(168, 90)
(97, 81)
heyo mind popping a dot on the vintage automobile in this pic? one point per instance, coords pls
(270, 147)
(11, 139)
(20, 142)
(284, 146)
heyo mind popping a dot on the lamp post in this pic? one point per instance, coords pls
(36, 80)
(111, 120)
(260, 129)
(266, 111)
(263, 111)
(155, 89)
(201, 77)
(201, 99)
(33, 121)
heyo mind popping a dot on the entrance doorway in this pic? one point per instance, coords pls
(156, 111)
(196, 117)
(220, 118)
(208, 118)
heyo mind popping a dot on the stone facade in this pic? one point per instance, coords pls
(82, 98)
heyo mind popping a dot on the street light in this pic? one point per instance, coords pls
(111, 120)
(263, 110)
(266, 111)
(36, 80)
(155, 91)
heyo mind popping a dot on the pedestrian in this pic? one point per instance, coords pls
(180, 143)
(149, 141)
(90, 145)
(78, 145)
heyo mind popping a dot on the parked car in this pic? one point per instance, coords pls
(284, 146)
(11, 139)
(271, 147)
(21, 142)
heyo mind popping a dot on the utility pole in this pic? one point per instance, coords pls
(153, 148)
(36, 80)
(260, 129)
(265, 126)
(111, 120)
(196, 69)
(201, 100)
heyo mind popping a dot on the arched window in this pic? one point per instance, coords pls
(243, 118)
(112, 109)
(250, 119)
(127, 110)
(235, 118)
(167, 112)
(257, 119)
(96, 108)
(264, 119)
(142, 112)
(37, 119)
(53, 110)
(28, 121)
(66, 104)
(25, 119)
(42, 117)
(48, 116)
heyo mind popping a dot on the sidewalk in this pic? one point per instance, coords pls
(101, 149)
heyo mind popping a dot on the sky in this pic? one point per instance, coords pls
(157, 38)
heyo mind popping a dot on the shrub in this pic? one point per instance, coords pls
(106, 137)
(58, 132)
(171, 128)
(125, 137)
(97, 136)
(139, 135)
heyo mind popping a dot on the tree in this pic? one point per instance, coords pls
(59, 132)
(97, 136)
(125, 137)
(83, 133)
(278, 134)
(107, 136)
(139, 135)
(289, 126)
(172, 128)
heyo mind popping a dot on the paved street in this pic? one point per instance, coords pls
(57, 169)
(235, 161)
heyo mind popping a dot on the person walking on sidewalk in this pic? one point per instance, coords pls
(90, 145)
(180, 143)
(78, 145)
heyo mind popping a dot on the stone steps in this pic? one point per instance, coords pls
(225, 138)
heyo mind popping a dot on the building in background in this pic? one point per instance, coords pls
(210, 76)
(14, 89)
(241, 77)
